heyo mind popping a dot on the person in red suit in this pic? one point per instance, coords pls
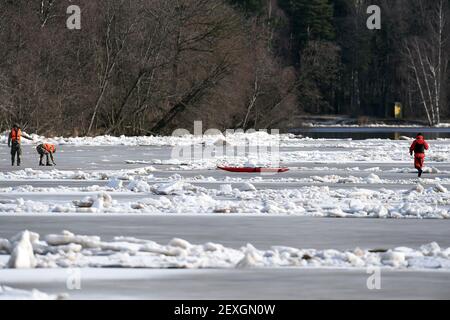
(418, 147)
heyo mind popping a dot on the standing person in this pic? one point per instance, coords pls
(48, 150)
(15, 143)
(418, 147)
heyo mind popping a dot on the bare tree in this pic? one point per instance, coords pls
(115, 39)
(139, 66)
(203, 46)
(428, 60)
(46, 11)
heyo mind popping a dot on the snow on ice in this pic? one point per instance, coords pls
(360, 188)
(183, 197)
(68, 250)
(236, 138)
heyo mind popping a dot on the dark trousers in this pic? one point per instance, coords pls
(43, 152)
(16, 151)
(42, 156)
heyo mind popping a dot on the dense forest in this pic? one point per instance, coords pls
(149, 66)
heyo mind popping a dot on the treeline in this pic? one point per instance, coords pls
(150, 66)
(345, 68)
(137, 67)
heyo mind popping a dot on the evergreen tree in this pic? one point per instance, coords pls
(311, 20)
(250, 7)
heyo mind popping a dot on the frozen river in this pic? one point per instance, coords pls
(256, 284)
(262, 229)
(237, 231)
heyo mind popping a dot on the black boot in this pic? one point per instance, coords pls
(420, 172)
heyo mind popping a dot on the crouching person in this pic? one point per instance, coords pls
(48, 150)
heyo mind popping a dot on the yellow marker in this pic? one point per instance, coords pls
(398, 110)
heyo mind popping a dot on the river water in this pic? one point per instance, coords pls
(361, 133)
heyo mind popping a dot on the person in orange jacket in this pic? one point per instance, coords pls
(418, 147)
(48, 150)
(15, 143)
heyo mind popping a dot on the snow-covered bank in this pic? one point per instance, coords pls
(337, 123)
(215, 139)
(67, 250)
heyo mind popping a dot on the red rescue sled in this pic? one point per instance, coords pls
(252, 169)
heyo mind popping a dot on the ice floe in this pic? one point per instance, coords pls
(22, 255)
(7, 293)
(68, 250)
(180, 196)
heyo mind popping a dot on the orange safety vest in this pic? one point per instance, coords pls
(49, 147)
(16, 135)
